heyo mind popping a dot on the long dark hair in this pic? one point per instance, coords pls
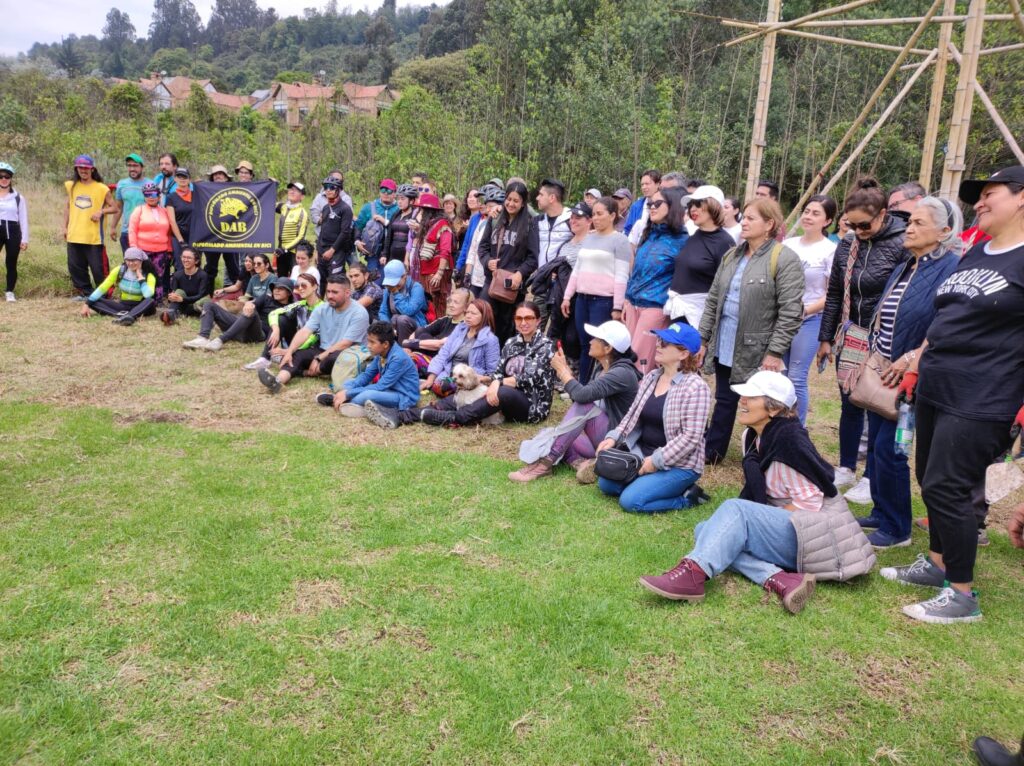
(676, 218)
(521, 223)
(429, 217)
(75, 179)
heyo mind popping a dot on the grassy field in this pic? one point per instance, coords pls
(193, 572)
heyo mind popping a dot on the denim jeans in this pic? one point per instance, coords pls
(755, 540)
(361, 396)
(890, 478)
(595, 310)
(654, 492)
(799, 360)
(581, 442)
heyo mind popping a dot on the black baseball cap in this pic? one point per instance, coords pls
(970, 191)
(582, 209)
(553, 182)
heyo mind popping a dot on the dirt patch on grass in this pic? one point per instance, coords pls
(132, 665)
(404, 635)
(315, 596)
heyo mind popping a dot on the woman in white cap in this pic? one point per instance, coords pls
(789, 526)
(597, 406)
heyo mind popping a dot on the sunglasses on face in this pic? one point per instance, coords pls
(527, 318)
(863, 226)
(330, 187)
(423, 189)
(655, 204)
(151, 195)
(386, 191)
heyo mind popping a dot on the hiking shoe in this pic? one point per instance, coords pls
(921, 572)
(215, 345)
(197, 342)
(125, 320)
(992, 753)
(983, 540)
(585, 471)
(684, 582)
(434, 417)
(922, 523)
(532, 471)
(948, 607)
(695, 496)
(10, 297)
(349, 410)
(881, 540)
(869, 522)
(326, 399)
(268, 379)
(379, 415)
(260, 363)
(793, 589)
(844, 476)
(861, 492)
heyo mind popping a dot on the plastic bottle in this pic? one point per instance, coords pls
(905, 430)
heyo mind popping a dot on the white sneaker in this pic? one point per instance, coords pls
(10, 297)
(197, 342)
(349, 410)
(260, 363)
(861, 492)
(844, 476)
(214, 345)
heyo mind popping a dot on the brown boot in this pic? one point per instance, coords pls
(685, 582)
(532, 471)
(793, 589)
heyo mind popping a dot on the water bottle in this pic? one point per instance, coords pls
(905, 430)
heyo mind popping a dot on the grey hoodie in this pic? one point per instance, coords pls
(617, 387)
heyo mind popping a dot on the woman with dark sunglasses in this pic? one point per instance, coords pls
(151, 228)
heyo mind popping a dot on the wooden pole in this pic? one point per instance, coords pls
(1018, 16)
(830, 39)
(764, 93)
(902, 20)
(855, 126)
(1001, 49)
(963, 103)
(777, 25)
(880, 121)
(997, 118)
(931, 133)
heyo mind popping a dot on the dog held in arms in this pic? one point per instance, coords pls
(470, 389)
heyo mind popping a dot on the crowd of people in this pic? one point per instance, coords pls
(479, 309)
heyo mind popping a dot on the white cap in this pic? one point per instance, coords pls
(611, 332)
(594, 192)
(767, 383)
(708, 192)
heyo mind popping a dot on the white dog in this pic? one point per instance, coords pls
(471, 389)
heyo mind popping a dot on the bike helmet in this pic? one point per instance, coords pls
(408, 191)
(7, 167)
(494, 194)
(150, 188)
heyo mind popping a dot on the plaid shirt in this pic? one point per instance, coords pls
(685, 417)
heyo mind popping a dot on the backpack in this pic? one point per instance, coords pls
(373, 239)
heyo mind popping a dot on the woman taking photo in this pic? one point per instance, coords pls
(13, 226)
(816, 251)
(665, 424)
(860, 271)
(898, 331)
(970, 393)
(508, 252)
(599, 277)
(151, 229)
(653, 266)
(752, 313)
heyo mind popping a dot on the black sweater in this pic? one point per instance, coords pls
(783, 440)
(336, 228)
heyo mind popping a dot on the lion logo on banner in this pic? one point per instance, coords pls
(233, 214)
(232, 207)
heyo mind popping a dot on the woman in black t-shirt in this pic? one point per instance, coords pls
(180, 202)
(970, 393)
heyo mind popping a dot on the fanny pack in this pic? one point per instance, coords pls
(617, 464)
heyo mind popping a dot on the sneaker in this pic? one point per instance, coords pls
(983, 540)
(78, 298)
(793, 589)
(695, 496)
(922, 523)
(861, 492)
(124, 320)
(197, 342)
(10, 297)
(349, 410)
(685, 582)
(268, 379)
(215, 345)
(881, 540)
(844, 477)
(585, 471)
(869, 522)
(379, 415)
(326, 399)
(532, 471)
(921, 572)
(948, 607)
(260, 363)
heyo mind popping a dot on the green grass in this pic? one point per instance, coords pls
(184, 596)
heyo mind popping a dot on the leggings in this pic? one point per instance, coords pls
(10, 238)
(581, 442)
(134, 309)
(247, 329)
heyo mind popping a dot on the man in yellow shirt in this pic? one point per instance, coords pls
(88, 200)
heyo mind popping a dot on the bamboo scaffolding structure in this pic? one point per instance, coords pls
(931, 133)
(901, 20)
(1018, 16)
(764, 92)
(776, 26)
(830, 39)
(963, 103)
(997, 118)
(882, 119)
(1001, 49)
(855, 126)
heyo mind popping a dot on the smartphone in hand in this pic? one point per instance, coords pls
(821, 364)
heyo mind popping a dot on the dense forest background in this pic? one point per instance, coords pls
(591, 91)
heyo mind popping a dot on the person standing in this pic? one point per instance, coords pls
(552, 221)
(432, 256)
(179, 202)
(127, 196)
(88, 200)
(291, 227)
(167, 179)
(379, 213)
(152, 229)
(650, 182)
(13, 226)
(334, 240)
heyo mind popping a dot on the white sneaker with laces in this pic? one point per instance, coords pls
(261, 363)
(10, 297)
(197, 342)
(214, 345)
(861, 492)
(844, 476)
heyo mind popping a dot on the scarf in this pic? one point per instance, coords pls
(784, 440)
(185, 193)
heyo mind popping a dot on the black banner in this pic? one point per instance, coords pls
(234, 217)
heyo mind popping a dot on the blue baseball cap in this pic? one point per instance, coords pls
(680, 334)
(393, 273)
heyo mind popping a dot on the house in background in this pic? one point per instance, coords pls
(369, 99)
(293, 101)
(168, 92)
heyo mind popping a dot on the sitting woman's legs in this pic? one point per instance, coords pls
(585, 445)
(753, 539)
(566, 444)
(659, 491)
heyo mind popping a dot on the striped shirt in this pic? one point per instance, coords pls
(785, 483)
(887, 317)
(602, 268)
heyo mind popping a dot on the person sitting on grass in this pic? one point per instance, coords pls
(520, 388)
(597, 407)
(136, 281)
(390, 379)
(339, 322)
(471, 342)
(304, 263)
(405, 304)
(365, 291)
(285, 322)
(429, 339)
(234, 290)
(789, 526)
(249, 325)
(665, 425)
(188, 287)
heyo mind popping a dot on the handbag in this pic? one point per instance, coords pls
(617, 464)
(496, 289)
(852, 343)
(869, 392)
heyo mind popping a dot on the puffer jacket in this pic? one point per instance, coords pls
(876, 260)
(830, 543)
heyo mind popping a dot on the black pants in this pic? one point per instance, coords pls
(10, 238)
(304, 357)
(512, 403)
(83, 259)
(287, 326)
(404, 326)
(112, 308)
(953, 454)
(285, 262)
(232, 268)
(504, 318)
(719, 433)
(336, 265)
(247, 329)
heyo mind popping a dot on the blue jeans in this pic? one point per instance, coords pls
(361, 396)
(890, 478)
(799, 360)
(851, 429)
(755, 540)
(589, 309)
(654, 492)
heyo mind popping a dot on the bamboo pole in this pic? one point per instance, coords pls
(931, 133)
(776, 26)
(901, 20)
(997, 118)
(764, 93)
(855, 126)
(830, 39)
(963, 103)
(1018, 16)
(897, 100)
(1001, 49)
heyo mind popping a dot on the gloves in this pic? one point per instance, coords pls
(906, 387)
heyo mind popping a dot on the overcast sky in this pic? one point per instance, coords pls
(54, 19)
